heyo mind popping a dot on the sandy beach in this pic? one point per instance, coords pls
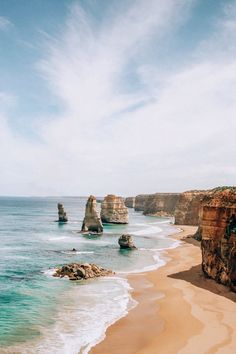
(178, 311)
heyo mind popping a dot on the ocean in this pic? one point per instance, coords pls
(46, 315)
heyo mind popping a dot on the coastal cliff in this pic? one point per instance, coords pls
(161, 204)
(92, 221)
(113, 210)
(188, 208)
(130, 202)
(218, 234)
(140, 201)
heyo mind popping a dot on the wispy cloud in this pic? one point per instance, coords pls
(170, 132)
(5, 23)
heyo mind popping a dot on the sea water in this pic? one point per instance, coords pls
(43, 314)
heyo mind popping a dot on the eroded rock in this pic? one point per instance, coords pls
(62, 217)
(77, 271)
(218, 236)
(114, 210)
(126, 242)
(92, 222)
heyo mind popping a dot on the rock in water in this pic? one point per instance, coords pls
(126, 242)
(92, 222)
(218, 235)
(76, 271)
(114, 210)
(62, 217)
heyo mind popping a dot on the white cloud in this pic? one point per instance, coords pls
(179, 136)
(5, 24)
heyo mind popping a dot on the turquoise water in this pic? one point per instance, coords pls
(42, 314)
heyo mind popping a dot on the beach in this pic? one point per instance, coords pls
(178, 311)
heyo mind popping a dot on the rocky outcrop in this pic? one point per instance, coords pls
(218, 234)
(130, 202)
(76, 271)
(92, 222)
(62, 217)
(126, 242)
(188, 208)
(140, 201)
(114, 210)
(161, 204)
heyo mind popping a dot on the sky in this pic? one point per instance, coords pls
(121, 97)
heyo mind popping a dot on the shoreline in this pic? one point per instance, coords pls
(178, 310)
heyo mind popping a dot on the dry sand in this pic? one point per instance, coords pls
(178, 311)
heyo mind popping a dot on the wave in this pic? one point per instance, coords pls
(148, 231)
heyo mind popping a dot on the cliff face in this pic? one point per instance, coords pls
(218, 233)
(188, 208)
(130, 202)
(162, 204)
(140, 201)
(92, 221)
(114, 210)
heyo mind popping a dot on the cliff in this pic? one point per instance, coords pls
(140, 201)
(188, 208)
(114, 210)
(218, 233)
(130, 202)
(92, 221)
(161, 204)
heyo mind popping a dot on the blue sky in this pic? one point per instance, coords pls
(119, 97)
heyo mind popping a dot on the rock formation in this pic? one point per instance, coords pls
(62, 217)
(218, 234)
(92, 221)
(130, 202)
(188, 208)
(76, 271)
(161, 204)
(114, 210)
(140, 201)
(126, 242)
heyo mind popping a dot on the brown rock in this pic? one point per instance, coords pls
(130, 202)
(218, 233)
(76, 271)
(126, 242)
(161, 204)
(188, 208)
(62, 217)
(114, 210)
(92, 222)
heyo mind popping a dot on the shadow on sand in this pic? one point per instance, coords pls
(196, 277)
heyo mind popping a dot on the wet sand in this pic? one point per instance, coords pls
(178, 311)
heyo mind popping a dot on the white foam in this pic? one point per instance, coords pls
(77, 252)
(148, 231)
(85, 313)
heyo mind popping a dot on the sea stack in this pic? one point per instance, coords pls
(114, 210)
(92, 222)
(218, 234)
(126, 242)
(62, 217)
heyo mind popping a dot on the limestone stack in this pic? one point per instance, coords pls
(62, 217)
(188, 208)
(130, 202)
(92, 222)
(126, 242)
(218, 234)
(161, 204)
(114, 210)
